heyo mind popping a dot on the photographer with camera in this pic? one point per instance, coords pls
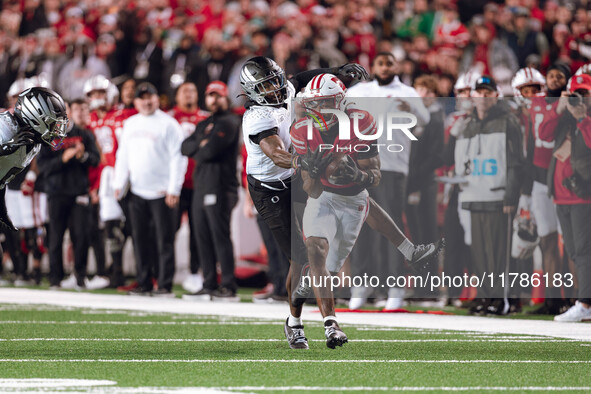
(569, 183)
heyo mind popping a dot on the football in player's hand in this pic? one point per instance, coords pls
(335, 167)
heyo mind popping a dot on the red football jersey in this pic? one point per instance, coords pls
(353, 147)
(119, 117)
(188, 122)
(107, 143)
(543, 119)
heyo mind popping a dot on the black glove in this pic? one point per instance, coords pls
(353, 72)
(315, 163)
(22, 138)
(348, 173)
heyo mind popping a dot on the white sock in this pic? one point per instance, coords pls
(407, 249)
(327, 318)
(294, 321)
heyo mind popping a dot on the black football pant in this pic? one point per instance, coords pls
(211, 223)
(575, 221)
(457, 253)
(142, 214)
(276, 209)
(115, 233)
(96, 239)
(13, 247)
(185, 204)
(278, 262)
(65, 212)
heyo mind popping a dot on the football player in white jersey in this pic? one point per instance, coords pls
(39, 117)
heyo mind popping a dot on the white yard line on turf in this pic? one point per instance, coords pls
(579, 331)
(516, 340)
(411, 388)
(53, 383)
(143, 323)
(233, 389)
(232, 361)
(154, 390)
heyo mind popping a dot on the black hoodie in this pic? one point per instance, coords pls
(71, 178)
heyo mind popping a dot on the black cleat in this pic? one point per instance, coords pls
(295, 336)
(334, 336)
(424, 255)
(478, 307)
(498, 306)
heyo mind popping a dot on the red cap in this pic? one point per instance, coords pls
(217, 87)
(582, 81)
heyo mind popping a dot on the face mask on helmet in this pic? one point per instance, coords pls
(313, 107)
(96, 103)
(272, 90)
(324, 91)
(44, 112)
(57, 131)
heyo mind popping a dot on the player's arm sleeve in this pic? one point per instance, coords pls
(300, 80)
(515, 163)
(218, 142)
(257, 138)
(298, 142)
(178, 163)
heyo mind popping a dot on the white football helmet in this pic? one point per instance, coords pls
(526, 77)
(100, 82)
(324, 91)
(466, 80)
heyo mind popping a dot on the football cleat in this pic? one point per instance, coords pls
(478, 307)
(424, 255)
(334, 336)
(295, 336)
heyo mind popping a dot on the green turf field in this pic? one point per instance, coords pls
(157, 352)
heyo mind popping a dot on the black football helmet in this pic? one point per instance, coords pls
(44, 111)
(264, 81)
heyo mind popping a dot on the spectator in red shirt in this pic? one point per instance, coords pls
(569, 180)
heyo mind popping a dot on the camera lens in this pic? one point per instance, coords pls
(575, 99)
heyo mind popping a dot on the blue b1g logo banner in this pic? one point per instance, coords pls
(486, 167)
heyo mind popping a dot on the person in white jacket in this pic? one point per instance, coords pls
(149, 164)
